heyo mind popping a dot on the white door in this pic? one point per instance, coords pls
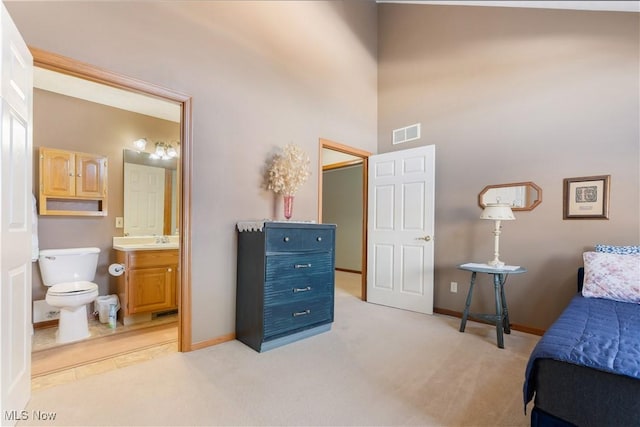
(16, 89)
(400, 229)
(143, 200)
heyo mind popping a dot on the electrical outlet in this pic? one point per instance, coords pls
(119, 222)
(454, 287)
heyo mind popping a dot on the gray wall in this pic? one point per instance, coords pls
(342, 205)
(510, 95)
(262, 74)
(505, 94)
(76, 125)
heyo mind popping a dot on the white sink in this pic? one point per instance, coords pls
(144, 243)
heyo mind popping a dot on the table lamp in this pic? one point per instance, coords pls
(497, 212)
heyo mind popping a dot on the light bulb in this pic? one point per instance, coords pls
(140, 144)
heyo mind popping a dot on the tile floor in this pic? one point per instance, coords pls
(69, 375)
(44, 339)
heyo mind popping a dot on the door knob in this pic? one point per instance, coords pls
(425, 238)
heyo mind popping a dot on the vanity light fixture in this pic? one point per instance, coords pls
(140, 144)
(497, 212)
(164, 151)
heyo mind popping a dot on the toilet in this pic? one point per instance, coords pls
(68, 274)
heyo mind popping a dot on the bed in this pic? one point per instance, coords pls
(585, 370)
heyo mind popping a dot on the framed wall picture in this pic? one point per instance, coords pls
(586, 197)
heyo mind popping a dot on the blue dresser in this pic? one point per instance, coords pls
(285, 282)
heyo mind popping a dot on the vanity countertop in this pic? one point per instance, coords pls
(145, 243)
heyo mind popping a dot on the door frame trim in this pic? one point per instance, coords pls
(72, 67)
(364, 155)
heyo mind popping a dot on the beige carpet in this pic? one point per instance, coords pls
(377, 366)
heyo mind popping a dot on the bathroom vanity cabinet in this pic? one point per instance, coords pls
(285, 282)
(150, 281)
(72, 183)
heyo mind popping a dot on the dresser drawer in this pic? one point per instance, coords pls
(296, 267)
(142, 259)
(283, 318)
(285, 291)
(299, 239)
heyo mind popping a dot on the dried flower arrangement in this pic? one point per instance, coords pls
(289, 170)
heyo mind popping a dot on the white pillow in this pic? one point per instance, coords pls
(612, 276)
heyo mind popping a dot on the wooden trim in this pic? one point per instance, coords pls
(528, 329)
(336, 146)
(514, 326)
(348, 270)
(62, 64)
(79, 353)
(166, 229)
(341, 165)
(364, 155)
(46, 324)
(365, 221)
(185, 178)
(214, 341)
(72, 67)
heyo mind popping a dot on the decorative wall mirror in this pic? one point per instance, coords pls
(522, 196)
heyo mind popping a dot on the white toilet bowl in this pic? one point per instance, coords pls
(68, 274)
(72, 299)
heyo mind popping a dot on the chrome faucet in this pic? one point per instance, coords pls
(162, 239)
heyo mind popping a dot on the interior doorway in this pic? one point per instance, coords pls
(347, 157)
(70, 67)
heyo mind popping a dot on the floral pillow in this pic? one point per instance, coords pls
(621, 250)
(612, 276)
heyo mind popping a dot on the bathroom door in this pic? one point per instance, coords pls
(16, 90)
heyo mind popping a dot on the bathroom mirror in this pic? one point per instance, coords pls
(150, 195)
(522, 196)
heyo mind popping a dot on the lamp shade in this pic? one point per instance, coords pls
(497, 212)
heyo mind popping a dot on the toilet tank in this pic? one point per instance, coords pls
(68, 265)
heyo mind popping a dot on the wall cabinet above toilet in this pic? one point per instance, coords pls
(72, 183)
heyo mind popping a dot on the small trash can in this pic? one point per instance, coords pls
(103, 304)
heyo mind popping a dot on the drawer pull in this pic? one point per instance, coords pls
(296, 290)
(301, 313)
(302, 265)
(286, 239)
(319, 239)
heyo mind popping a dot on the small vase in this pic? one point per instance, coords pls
(288, 206)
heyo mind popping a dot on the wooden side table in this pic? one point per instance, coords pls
(501, 318)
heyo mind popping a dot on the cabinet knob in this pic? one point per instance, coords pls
(319, 239)
(286, 239)
(71, 174)
(169, 270)
(79, 175)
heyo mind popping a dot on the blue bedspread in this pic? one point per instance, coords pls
(594, 332)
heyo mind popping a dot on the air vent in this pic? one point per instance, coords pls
(406, 134)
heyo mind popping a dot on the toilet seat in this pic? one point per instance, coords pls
(73, 288)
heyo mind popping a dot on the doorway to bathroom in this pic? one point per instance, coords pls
(168, 327)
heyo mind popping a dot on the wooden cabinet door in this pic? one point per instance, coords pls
(58, 172)
(90, 175)
(150, 289)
